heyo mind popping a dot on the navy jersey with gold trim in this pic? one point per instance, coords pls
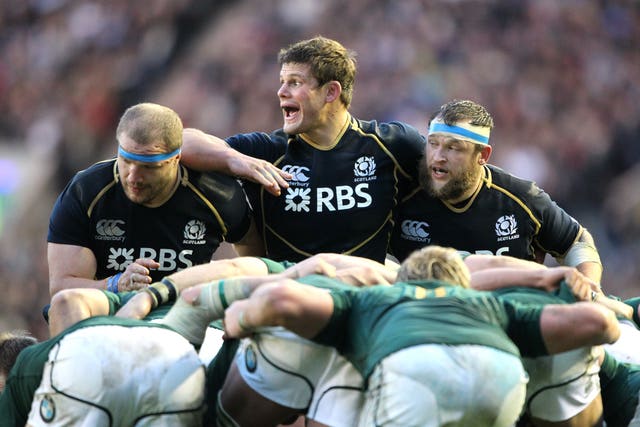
(94, 212)
(508, 216)
(341, 198)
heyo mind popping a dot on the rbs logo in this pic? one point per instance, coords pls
(169, 260)
(340, 198)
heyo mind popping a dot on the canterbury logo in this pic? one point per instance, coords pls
(415, 229)
(110, 227)
(298, 173)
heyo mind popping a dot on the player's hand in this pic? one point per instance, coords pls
(137, 307)
(136, 276)
(366, 276)
(272, 178)
(313, 265)
(580, 284)
(235, 323)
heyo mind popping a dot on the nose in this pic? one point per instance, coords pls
(282, 91)
(134, 174)
(436, 153)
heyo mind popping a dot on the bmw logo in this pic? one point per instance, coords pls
(47, 409)
(250, 359)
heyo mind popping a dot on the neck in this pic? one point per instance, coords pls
(327, 134)
(472, 191)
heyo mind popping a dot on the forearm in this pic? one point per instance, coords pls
(302, 309)
(584, 256)
(583, 324)
(219, 269)
(497, 278)
(478, 262)
(593, 270)
(205, 152)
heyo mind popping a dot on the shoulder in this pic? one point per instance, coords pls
(87, 183)
(101, 171)
(276, 137)
(260, 144)
(212, 181)
(518, 186)
(391, 132)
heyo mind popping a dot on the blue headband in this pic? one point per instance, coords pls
(457, 130)
(147, 158)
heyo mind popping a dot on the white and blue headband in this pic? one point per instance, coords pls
(461, 130)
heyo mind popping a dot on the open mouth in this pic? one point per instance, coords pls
(290, 112)
(439, 172)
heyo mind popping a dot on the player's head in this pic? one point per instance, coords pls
(11, 344)
(149, 137)
(435, 263)
(151, 125)
(457, 148)
(328, 60)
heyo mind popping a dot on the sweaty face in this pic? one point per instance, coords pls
(450, 168)
(301, 99)
(148, 184)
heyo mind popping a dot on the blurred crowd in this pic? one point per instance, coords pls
(561, 79)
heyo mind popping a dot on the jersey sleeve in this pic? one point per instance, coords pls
(68, 222)
(260, 145)
(559, 229)
(229, 200)
(407, 147)
(334, 333)
(524, 328)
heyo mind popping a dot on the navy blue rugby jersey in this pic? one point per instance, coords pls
(341, 198)
(508, 216)
(94, 212)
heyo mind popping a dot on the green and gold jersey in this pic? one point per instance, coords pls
(620, 390)
(368, 324)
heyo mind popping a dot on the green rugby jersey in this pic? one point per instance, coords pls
(620, 390)
(369, 324)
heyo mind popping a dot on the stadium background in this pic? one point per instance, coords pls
(562, 80)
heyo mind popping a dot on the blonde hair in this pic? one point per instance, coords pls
(436, 263)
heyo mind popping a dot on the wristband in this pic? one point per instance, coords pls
(112, 283)
(162, 292)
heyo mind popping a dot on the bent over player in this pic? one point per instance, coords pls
(124, 223)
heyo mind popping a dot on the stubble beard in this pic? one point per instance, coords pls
(455, 188)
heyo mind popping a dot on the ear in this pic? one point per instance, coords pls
(334, 89)
(484, 155)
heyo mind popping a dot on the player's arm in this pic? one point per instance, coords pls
(541, 278)
(141, 304)
(72, 266)
(206, 152)
(568, 326)
(477, 262)
(304, 310)
(584, 256)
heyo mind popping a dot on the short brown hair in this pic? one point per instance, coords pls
(329, 60)
(146, 123)
(464, 110)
